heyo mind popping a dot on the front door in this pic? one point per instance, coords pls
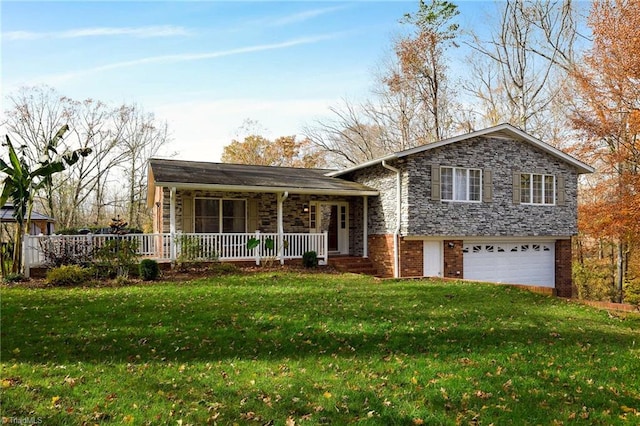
(333, 218)
(332, 230)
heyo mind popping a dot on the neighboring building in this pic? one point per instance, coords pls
(40, 223)
(493, 205)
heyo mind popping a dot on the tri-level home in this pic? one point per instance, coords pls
(493, 205)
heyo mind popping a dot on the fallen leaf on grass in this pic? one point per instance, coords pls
(55, 401)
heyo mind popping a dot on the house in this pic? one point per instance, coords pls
(493, 205)
(40, 223)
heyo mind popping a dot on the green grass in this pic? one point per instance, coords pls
(314, 349)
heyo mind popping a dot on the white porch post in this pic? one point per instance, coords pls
(26, 255)
(172, 223)
(258, 253)
(281, 197)
(325, 237)
(365, 226)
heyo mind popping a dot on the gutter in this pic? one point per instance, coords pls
(396, 232)
(268, 189)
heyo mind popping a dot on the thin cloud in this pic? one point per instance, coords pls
(139, 32)
(303, 16)
(192, 56)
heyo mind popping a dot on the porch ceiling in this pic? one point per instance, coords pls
(246, 178)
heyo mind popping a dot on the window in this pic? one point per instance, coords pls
(207, 215)
(460, 184)
(537, 188)
(312, 216)
(218, 215)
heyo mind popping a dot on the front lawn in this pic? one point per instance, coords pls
(290, 348)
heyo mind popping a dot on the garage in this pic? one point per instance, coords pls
(526, 262)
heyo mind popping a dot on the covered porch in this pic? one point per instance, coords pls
(233, 212)
(289, 210)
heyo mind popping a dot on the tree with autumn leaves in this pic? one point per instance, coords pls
(606, 109)
(284, 151)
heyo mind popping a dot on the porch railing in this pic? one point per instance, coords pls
(173, 247)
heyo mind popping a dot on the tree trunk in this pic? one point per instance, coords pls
(620, 269)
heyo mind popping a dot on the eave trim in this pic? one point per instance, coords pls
(266, 189)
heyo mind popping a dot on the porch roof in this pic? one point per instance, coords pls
(247, 178)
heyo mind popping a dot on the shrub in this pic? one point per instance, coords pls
(594, 280)
(632, 292)
(13, 278)
(65, 252)
(310, 259)
(149, 269)
(68, 275)
(116, 257)
(192, 253)
(223, 268)
(121, 281)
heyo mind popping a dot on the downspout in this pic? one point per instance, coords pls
(396, 232)
(172, 225)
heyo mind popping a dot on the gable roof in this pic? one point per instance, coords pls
(6, 214)
(248, 178)
(500, 131)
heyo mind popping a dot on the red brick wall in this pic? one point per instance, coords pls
(411, 258)
(453, 263)
(381, 253)
(564, 283)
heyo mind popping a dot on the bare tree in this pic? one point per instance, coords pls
(123, 137)
(93, 127)
(36, 115)
(141, 136)
(413, 101)
(422, 63)
(351, 137)
(518, 73)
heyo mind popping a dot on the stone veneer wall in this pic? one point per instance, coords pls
(500, 217)
(295, 219)
(383, 208)
(356, 238)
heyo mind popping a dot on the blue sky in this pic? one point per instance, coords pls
(207, 66)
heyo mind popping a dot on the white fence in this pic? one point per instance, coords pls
(39, 250)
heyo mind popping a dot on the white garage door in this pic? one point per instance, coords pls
(530, 263)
